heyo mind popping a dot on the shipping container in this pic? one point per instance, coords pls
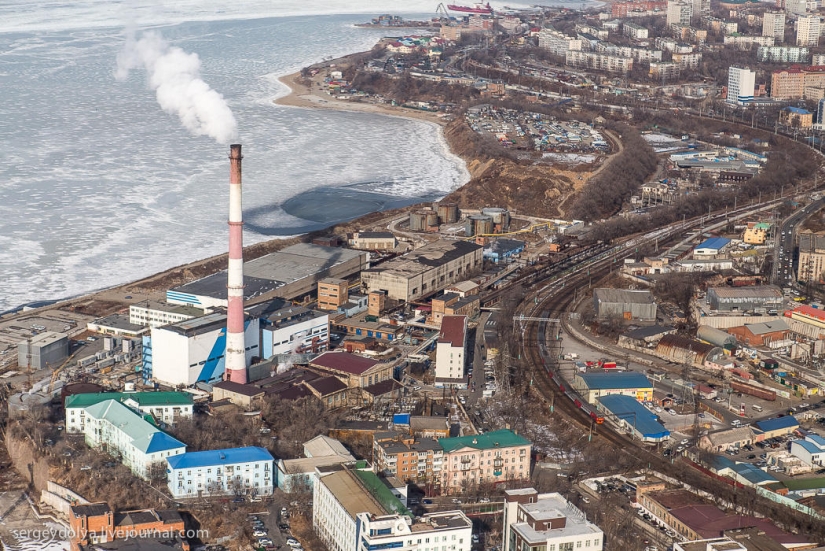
(751, 390)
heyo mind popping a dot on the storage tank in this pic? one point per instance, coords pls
(501, 217)
(432, 219)
(478, 224)
(418, 221)
(448, 213)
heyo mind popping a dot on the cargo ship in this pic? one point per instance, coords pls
(482, 9)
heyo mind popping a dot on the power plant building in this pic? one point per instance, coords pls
(45, 350)
(194, 351)
(425, 271)
(293, 332)
(288, 274)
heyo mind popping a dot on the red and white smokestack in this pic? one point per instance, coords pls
(235, 345)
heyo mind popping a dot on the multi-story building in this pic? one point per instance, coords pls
(558, 43)
(746, 41)
(373, 241)
(451, 531)
(687, 61)
(408, 459)
(818, 60)
(354, 511)
(634, 31)
(599, 62)
(294, 332)
(796, 7)
(811, 257)
(155, 314)
(46, 350)
(165, 407)
(490, 458)
(425, 271)
(741, 85)
(451, 352)
(807, 30)
(756, 233)
(773, 24)
(783, 54)
(664, 70)
(546, 521)
(637, 54)
(191, 351)
(679, 13)
(788, 84)
(332, 293)
(126, 434)
(796, 117)
(232, 471)
(819, 120)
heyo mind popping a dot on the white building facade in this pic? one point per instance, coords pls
(125, 434)
(451, 350)
(165, 407)
(233, 471)
(547, 521)
(741, 84)
(773, 24)
(679, 13)
(298, 335)
(155, 314)
(808, 29)
(448, 531)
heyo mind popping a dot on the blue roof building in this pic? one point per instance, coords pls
(232, 471)
(634, 417)
(749, 475)
(711, 247)
(778, 426)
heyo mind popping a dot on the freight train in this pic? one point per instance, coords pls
(577, 400)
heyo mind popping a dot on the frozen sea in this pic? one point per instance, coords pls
(100, 186)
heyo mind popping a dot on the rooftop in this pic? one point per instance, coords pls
(343, 362)
(553, 506)
(714, 243)
(810, 311)
(767, 327)
(145, 436)
(324, 446)
(623, 296)
(758, 291)
(121, 322)
(143, 399)
(777, 423)
(497, 439)
(304, 465)
(230, 456)
(362, 492)
(635, 414)
(453, 330)
(91, 510)
(613, 381)
(432, 255)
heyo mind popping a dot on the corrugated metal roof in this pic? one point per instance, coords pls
(343, 361)
(623, 296)
(758, 291)
(714, 243)
(635, 414)
(615, 381)
(777, 423)
(145, 436)
(767, 327)
(229, 456)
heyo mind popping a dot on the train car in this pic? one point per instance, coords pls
(599, 419)
(561, 386)
(577, 402)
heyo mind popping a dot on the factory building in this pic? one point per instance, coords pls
(546, 521)
(502, 250)
(126, 434)
(165, 407)
(592, 386)
(425, 271)
(373, 241)
(332, 293)
(625, 304)
(451, 353)
(287, 274)
(193, 351)
(294, 334)
(716, 337)
(632, 416)
(687, 351)
(45, 350)
(711, 248)
(155, 314)
(233, 471)
(759, 298)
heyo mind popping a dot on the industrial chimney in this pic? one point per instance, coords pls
(235, 345)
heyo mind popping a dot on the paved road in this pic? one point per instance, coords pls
(784, 274)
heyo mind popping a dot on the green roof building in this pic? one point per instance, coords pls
(495, 458)
(165, 407)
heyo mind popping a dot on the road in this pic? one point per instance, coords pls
(784, 274)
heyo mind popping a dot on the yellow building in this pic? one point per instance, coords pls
(593, 386)
(794, 116)
(756, 234)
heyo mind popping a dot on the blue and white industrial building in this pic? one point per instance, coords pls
(193, 351)
(233, 471)
(778, 426)
(293, 332)
(811, 450)
(629, 414)
(711, 248)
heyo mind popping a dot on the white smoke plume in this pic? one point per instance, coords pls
(175, 77)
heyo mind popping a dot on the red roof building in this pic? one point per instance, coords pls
(355, 371)
(451, 353)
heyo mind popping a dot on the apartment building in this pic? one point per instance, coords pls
(165, 407)
(558, 43)
(408, 459)
(490, 458)
(808, 29)
(599, 62)
(679, 13)
(634, 31)
(773, 24)
(783, 54)
(546, 521)
(451, 352)
(811, 257)
(232, 471)
(741, 84)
